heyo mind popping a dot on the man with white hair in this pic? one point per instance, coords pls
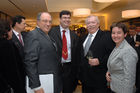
(95, 49)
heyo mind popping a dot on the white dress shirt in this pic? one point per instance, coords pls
(67, 34)
(92, 38)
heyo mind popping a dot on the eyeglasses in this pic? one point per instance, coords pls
(66, 18)
(46, 21)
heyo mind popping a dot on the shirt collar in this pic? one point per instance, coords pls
(61, 29)
(94, 34)
(15, 32)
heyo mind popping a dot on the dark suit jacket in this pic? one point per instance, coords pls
(71, 73)
(11, 68)
(20, 49)
(56, 35)
(18, 45)
(41, 58)
(100, 48)
(132, 43)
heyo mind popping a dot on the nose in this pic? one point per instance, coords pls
(115, 34)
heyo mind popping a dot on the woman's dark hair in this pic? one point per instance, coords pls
(4, 29)
(119, 25)
(64, 12)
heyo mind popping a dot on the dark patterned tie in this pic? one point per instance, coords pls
(64, 47)
(19, 35)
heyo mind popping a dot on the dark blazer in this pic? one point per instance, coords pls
(72, 72)
(11, 68)
(100, 48)
(19, 46)
(41, 58)
(131, 40)
(132, 43)
(56, 35)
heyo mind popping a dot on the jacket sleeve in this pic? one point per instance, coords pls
(31, 49)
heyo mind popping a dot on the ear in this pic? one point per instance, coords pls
(125, 34)
(16, 23)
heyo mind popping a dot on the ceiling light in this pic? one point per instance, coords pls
(81, 12)
(130, 13)
(105, 1)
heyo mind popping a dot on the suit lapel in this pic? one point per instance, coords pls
(58, 33)
(18, 45)
(81, 44)
(47, 37)
(116, 51)
(16, 41)
(43, 34)
(96, 39)
(71, 38)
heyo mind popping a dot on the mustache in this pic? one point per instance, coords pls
(90, 27)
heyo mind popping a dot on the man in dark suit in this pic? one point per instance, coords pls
(11, 66)
(41, 60)
(18, 26)
(134, 40)
(95, 47)
(66, 41)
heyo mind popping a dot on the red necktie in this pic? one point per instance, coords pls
(20, 39)
(64, 47)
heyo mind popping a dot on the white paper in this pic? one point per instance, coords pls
(46, 81)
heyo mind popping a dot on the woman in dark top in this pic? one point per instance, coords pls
(10, 67)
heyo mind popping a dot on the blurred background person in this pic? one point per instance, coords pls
(18, 29)
(134, 40)
(10, 65)
(122, 62)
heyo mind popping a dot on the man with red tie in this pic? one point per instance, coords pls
(66, 41)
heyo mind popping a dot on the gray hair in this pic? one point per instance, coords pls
(39, 15)
(96, 17)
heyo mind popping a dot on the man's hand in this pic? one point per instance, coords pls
(93, 61)
(41, 90)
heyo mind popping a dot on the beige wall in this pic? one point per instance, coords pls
(114, 14)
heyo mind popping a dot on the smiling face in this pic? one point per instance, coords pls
(92, 24)
(65, 21)
(118, 35)
(45, 22)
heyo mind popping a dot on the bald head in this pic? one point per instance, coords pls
(44, 21)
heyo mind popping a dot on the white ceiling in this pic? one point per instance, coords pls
(30, 8)
(27, 8)
(58, 5)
